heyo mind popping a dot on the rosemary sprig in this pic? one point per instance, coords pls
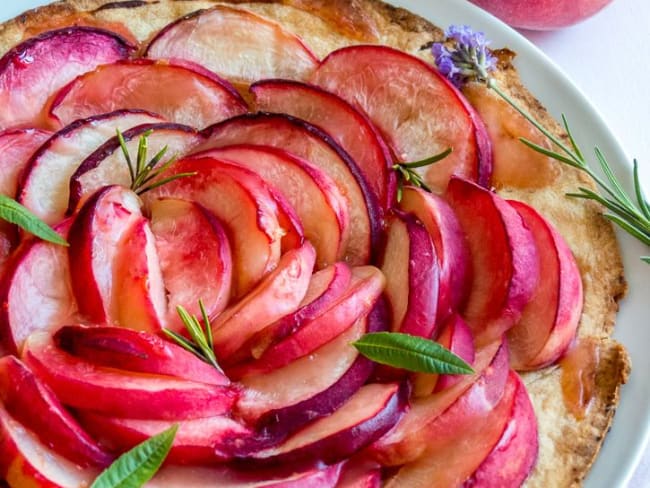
(406, 172)
(201, 343)
(145, 175)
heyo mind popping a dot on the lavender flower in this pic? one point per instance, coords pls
(468, 60)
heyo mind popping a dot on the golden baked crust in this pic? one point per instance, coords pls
(568, 447)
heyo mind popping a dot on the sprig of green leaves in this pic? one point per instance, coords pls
(201, 342)
(137, 466)
(410, 352)
(406, 172)
(630, 213)
(145, 175)
(15, 213)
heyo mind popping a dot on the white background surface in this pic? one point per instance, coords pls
(608, 58)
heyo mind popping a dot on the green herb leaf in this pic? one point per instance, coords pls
(406, 172)
(411, 353)
(15, 213)
(137, 466)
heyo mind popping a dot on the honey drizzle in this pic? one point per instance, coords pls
(578, 380)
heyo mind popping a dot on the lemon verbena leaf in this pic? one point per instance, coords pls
(137, 466)
(15, 213)
(411, 353)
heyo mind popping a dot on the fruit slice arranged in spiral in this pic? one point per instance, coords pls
(307, 141)
(241, 200)
(29, 401)
(35, 290)
(548, 323)
(318, 202)
(140, 352)
(17, 147)
(505, 267)
(34, 70)
(179, 91)
(411, 268)
(26, 461)
(347, 126)
(450, 243)
(416, 109)
(96, 238)
(220, 39)
(115, 392)
(107, 165)
(195, 258)
(44, 188)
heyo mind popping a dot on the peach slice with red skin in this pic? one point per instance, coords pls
(549, 322)
(512, 459)
(435, 421)
(451, 247)
(278, 294)
(34, 405)
(453, 461)
(417, 110)
(318, 202)
(108, 166)
(311, 143)
(363, 418)
(140, 352)
(241, 200)
(207, 440)
(44, 187)
(456, 336)
(411, 268)
(32, 71)
(95, 240)
(83, 385)
(26, 461)
(180, 91)
(355, 302)
(504, 259)
(219, 39)
(141, 301)
(348, 127)
(325, 286)
(195, 258)
(36, 290)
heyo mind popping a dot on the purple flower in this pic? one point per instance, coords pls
(468, 60)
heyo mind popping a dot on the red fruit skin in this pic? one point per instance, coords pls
(513, 457)
(32, 403)
(412, 276)
(550, 320)
(542, 14)
(140, 352)
(17, 147)
(35, 69)
(504, 259)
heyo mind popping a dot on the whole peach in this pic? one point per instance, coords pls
(542, 14)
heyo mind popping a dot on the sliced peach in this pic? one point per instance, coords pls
(348, 127)
(35, 69)
(179, 91)
(318, 202)
(278, 294)
(220, 40)
(36, 291)
(414, 107)
(95, 241)
(311, 143)
(549, 322)
(241, 200)
(44, 187)
(504, 259)
(195, 258)
(83, 385)
(17, 147)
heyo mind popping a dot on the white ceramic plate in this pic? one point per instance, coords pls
(624, 443)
